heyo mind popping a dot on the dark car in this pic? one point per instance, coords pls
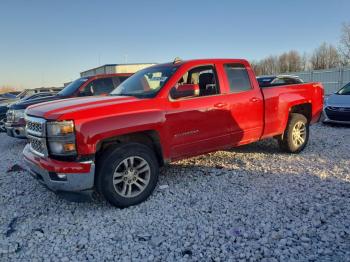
(85, 86)
(7, 96)
(337, 107)
(269, 81)
(3, 110)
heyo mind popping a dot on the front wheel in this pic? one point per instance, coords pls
(296, 135)
(127, 175)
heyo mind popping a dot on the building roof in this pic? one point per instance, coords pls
(117, 65)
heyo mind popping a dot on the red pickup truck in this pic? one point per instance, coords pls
(114, 145)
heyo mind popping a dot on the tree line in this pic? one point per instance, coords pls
(323, 57)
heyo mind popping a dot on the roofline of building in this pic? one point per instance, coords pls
(117, 65)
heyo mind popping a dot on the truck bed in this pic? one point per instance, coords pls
(279, 99)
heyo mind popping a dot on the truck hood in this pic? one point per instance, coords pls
(53, 110)
(26, 103)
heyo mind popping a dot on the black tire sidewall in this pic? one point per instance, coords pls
(109, 163)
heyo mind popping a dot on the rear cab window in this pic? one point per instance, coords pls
(238, 77)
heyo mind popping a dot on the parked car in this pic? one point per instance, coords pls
(86, 86)
(337, 107)
(39, 95)
(4, 104)
(269, 81)
(3, 110)
(115, 144)
(19, 97)
(7, 96)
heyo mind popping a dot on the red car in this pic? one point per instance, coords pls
(115, 144)
(97, 85)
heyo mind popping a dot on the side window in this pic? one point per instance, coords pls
(238, 78)
(117, 80)
(199, 81)
(98, 87)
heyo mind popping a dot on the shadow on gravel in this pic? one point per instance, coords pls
(269, 146)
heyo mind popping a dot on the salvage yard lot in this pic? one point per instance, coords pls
(250, 203)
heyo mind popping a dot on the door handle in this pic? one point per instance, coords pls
(220, 105)
(254, 99)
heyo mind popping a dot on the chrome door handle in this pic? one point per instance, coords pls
(254, 99)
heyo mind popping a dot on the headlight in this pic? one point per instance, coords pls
(14, 115)
(60, 128)
(61, 138)
(18, 114)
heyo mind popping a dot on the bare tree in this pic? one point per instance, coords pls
(256, 67)
(324, 57)
(294, 61)
(269, 65)
(290, 62)
(305, 64)
(344, 46)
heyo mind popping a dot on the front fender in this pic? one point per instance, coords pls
(91, 132)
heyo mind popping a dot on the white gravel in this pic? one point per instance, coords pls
(248, 204)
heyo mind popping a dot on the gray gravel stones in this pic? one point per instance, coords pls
(252, 203)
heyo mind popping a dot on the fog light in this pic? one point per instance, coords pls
(62, 147)
(62, 176)
(58, 176)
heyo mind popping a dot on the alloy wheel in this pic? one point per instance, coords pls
(131, 176)
(299, 134)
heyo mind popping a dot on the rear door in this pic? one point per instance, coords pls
(246, 105)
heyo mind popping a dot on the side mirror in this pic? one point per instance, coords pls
(185, 90)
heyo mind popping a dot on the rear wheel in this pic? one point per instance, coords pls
(127, 175)
(296, 135)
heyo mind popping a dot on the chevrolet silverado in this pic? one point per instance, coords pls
(114, 145)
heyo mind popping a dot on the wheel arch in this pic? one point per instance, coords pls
(149, 138)
(304, 109)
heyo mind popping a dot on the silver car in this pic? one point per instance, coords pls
(337, 107)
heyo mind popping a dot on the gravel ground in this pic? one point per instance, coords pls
(249, 204)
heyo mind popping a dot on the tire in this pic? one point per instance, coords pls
(127, 175)
(295, 143)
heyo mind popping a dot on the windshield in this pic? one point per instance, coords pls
(345, 90)
(72, 87)
(145, 83)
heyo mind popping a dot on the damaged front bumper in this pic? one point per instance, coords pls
(59, 176)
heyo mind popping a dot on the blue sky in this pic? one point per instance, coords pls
(46, 43)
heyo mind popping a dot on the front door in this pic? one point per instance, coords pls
(200, 123)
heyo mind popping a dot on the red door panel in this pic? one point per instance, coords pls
(198, 125)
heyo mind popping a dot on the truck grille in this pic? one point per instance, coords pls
(37, 145)
(34, 127)
(36, 131)
(339, 109)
